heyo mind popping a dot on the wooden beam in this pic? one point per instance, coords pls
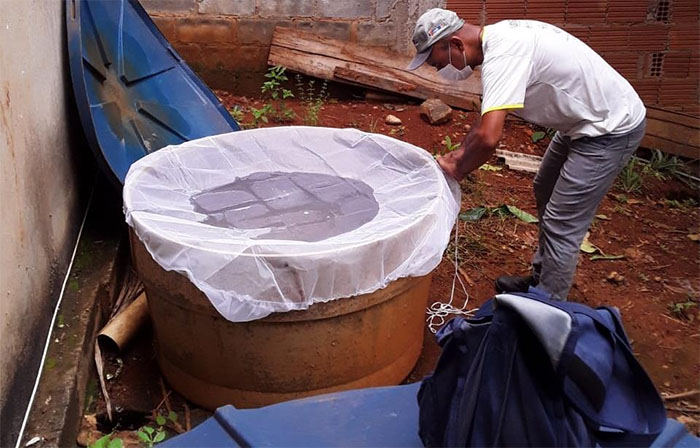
(351, 63)
(672, 132)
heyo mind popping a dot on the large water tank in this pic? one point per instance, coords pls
(286, 262)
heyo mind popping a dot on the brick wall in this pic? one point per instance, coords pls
(227, 41)
(655, 44)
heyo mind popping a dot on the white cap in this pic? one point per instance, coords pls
(432, 26)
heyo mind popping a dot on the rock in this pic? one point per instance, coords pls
(614, 277)
(392, 120)
(435, 111)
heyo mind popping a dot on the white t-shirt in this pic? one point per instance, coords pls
(551, 78)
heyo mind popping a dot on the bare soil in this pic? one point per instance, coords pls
(657, 286)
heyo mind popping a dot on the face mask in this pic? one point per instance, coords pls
(452, 73)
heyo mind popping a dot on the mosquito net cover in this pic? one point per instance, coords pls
(273, 220)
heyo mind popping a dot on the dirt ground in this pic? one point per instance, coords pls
(656, 284)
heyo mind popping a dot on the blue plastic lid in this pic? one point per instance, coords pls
(134, 93)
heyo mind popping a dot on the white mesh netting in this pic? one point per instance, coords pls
(272, 220)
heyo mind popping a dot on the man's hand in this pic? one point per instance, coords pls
(448, 163)
(476, 148)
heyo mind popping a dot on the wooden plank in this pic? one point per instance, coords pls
(387, 80)
(673, 116)
(376, 57)
(672, 132)
(670, 147)
(355, 64)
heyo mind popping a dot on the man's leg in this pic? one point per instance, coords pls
(587, 174)
(547, 176)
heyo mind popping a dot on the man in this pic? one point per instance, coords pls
(548, 77)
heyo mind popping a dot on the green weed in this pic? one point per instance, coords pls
(373, 123)
(107, 442)
(662, 165)
(238, 114)
(684, 205)
(261, 115)
(630, 179)
(313, 100)
(150, 436)
(276, 109)
(539, 135)
(681, 309)
(448, 145)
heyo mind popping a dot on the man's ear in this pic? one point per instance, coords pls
(457, 42)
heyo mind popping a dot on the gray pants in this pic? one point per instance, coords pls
(570, 184)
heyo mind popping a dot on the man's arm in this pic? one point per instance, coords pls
(477, 147)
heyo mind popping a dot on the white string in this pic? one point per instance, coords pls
(438, 311)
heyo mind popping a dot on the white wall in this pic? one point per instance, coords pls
(39, 209)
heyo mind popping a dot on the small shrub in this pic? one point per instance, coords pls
(313, 99)
(630, 180)
(238, 114)
(276, 109)
(261, 115)
(662, 165)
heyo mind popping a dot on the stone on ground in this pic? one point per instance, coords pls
(435, 111)
(392, 120)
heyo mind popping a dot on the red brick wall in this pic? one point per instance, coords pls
(655, 44)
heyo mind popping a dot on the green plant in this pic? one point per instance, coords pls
(238, 114)
(680, 309)
(662, 165)
(630, 180)
(107, 442)
(503, 211)
(539, 135)
(277, 94)
(150, 436)
(449, 145)
(373, 122)
(172, 417)
(261, 115)
(313, 100)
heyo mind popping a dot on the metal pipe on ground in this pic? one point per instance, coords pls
(120, 330)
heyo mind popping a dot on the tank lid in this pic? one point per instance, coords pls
(134, 93)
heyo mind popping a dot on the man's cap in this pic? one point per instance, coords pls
(432, 26)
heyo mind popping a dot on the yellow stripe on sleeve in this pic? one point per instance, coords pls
(505, 106)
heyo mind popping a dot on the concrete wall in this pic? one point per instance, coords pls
(227, 41)
(39, 209)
